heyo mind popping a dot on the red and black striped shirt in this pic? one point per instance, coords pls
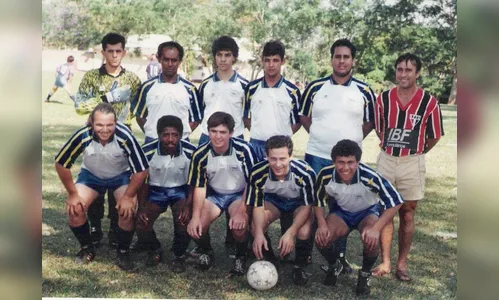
(404, 128)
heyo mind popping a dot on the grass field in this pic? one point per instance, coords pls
(433, 259)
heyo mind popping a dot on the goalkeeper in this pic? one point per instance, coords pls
(113, 84)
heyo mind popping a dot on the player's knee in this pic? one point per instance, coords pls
(407, 217)
(304, 232)
(76, 221)
(126, 223)
(372, 252)
(239, 234)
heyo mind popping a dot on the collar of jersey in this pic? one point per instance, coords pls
(333, 82)
(227, 153)
(233, 78)
(355, 179)
(102, 71)
(160, 79)
(178, 149)
(278, 84)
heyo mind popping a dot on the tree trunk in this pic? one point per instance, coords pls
(453, 92)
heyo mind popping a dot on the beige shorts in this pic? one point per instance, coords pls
(406, 173)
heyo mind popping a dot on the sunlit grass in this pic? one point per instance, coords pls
(433, 260)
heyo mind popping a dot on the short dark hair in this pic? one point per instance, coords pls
(103, 107)
(169, 121)
(226, 43)
(70, 58)
(346, 148)
(343, 43)
(413, 58)
(279, 141)
(274, 47)
(221, 118)
(171, 45)
(113, 38)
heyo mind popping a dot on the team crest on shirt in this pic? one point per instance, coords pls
(414, 119)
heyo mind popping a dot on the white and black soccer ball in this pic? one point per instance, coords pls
(262, 275)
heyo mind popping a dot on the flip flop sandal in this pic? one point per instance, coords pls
(403, 275)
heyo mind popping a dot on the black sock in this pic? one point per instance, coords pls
(242, 247)
(268, 255)
(204, 243)
(311, 239)
(124, 238)
(368, 262)
(151, 239)
(331, 254)
(49, 95)
(82, 234)
(96, 212)
(302, 252)
(341, 243)
(181, 240)
(112, 211)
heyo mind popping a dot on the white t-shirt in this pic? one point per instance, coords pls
(157, 98)
(337, 111)
(226, 96)
(272, 110)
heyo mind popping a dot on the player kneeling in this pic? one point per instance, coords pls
(219, 173)
(351, 188)
(282, 187)
(169, 159)
(110, 155)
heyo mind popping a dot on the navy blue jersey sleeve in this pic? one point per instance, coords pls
(376, 183)
(74, 147)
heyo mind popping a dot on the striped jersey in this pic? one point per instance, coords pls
(338, 112)
(404, 129)
(302, 186)
(165, 170)
(157, 98)
(96, 83)
(367, 188)
(121, 153)
(272, 110)
(235, 166)
(227, 96)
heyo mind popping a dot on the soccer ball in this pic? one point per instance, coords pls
(262, 275)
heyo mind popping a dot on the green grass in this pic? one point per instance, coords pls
(433, 260)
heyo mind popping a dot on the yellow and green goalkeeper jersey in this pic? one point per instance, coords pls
(97, 82)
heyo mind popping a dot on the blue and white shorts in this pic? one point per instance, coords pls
(86, 178)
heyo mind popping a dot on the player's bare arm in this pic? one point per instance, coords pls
(195, 228)
(141, 122)
(239, 219)
(286, 243)
(74, 200)
(371, 235)
(128, 202)
(430, 143)
(295, 127)
(367, 127)
(247, 123)
(306, 122)
(322, 234)
(193, 125)
(259, 227)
